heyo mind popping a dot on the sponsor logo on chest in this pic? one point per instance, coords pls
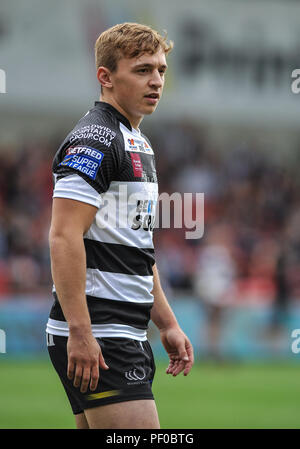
(138, 146)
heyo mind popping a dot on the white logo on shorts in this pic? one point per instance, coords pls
(132, 375)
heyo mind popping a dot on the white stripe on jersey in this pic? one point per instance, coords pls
(61, 328)
(76, 188)
(115, 216)
(113, 220)
(118, 287)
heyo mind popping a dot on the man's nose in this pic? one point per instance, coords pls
(156, 80)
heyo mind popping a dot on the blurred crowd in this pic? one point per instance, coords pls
(250, 249)
(25, 208)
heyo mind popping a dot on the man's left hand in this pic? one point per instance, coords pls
(179, 349)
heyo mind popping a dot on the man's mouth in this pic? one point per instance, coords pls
(153, 95)
(152, 98)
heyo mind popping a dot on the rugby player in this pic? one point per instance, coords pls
(106, 284)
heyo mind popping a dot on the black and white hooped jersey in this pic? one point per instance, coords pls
(108, 164)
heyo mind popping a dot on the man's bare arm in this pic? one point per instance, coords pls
(70, 220)
(176, 343)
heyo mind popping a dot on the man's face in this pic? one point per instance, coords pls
(137, 83)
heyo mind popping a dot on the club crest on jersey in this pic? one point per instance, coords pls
(85, 159)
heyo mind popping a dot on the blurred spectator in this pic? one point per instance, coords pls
(214, 279)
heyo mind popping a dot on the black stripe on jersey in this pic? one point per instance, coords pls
(116, 258)
(108, 311)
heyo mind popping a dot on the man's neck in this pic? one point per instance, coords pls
(134, 121)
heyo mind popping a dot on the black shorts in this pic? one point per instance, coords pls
(130, 375)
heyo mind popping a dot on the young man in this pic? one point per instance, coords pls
(106, 284)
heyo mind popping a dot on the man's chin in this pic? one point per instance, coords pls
(150, 109)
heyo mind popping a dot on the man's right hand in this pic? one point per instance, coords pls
(84, 359)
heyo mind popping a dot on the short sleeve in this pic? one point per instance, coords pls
(96, 162)
(75, 188)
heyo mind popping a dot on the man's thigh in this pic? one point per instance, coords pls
(140, 414)
(81, 422)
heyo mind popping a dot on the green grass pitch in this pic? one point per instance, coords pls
(212, 396)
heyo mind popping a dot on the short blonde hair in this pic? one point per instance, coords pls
(129, 40)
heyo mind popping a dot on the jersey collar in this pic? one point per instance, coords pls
(108, 107)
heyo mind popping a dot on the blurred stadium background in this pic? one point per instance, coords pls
(227, 126)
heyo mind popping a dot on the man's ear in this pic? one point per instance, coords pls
(104, 77)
